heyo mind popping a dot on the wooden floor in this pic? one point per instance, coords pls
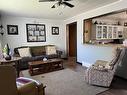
(118, 86)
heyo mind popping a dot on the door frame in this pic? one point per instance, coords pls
(67, 38)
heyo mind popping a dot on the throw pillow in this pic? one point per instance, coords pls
(102, 65)
(24, 52)
(99, 68)
(50, 50)
(107, 66)
(100, 62)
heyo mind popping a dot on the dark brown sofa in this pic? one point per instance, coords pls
(37, 52)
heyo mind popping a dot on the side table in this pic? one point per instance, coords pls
(15, 60)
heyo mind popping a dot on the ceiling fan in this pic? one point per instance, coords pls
(59, 3)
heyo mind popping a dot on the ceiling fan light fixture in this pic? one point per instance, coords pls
(63, 6)
(53, 6)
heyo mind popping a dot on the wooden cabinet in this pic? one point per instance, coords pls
(125, 32)
(109, 32)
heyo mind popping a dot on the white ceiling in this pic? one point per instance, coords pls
(33, 8)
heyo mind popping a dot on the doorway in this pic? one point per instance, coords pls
(72, 40)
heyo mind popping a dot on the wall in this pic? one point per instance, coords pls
(88, 54)
(21, 38)
(1, 44)
(0, 39)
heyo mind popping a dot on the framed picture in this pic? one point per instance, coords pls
(12, 29)
(55, 30)
(36, 33)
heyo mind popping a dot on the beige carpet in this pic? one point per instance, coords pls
(66, 82)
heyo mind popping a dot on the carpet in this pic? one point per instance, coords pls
(65, 82)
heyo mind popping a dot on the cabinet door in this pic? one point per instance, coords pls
(115, 32)
(104, 35)
(98, 32)
(125, 32)
(120, 32)
(110, 32)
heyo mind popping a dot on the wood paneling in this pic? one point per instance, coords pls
(87, 30)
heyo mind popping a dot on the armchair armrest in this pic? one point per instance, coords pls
(39, 86)
(28, 89)
(100, 63)
(97, 68)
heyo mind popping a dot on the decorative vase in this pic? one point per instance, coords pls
(6, 52)
(7, 57)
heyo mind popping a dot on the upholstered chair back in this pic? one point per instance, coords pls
(7, 81)
(120, 58)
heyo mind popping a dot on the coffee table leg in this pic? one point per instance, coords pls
(31, 69)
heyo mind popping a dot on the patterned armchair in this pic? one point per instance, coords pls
(102, 72)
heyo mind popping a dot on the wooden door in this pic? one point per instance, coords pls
(72, 40)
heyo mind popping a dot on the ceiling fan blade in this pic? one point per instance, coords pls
(47, 0)
(53, 6)
(68, 4)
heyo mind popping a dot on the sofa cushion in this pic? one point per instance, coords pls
(28, 59)
(24, 52)
(108, 66)
(37, 50)
(99, 68)
(52, 56)
(50, 50)
(16, 49)
(102, 65)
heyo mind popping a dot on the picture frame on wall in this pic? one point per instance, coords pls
(55, 30)
(36, 33)
(12, 29)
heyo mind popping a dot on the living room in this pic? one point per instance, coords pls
(21, 13)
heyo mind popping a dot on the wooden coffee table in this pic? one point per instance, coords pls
(39, 67)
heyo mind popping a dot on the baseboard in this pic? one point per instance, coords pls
(120, 77)
(65, 58)
(79, 62)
